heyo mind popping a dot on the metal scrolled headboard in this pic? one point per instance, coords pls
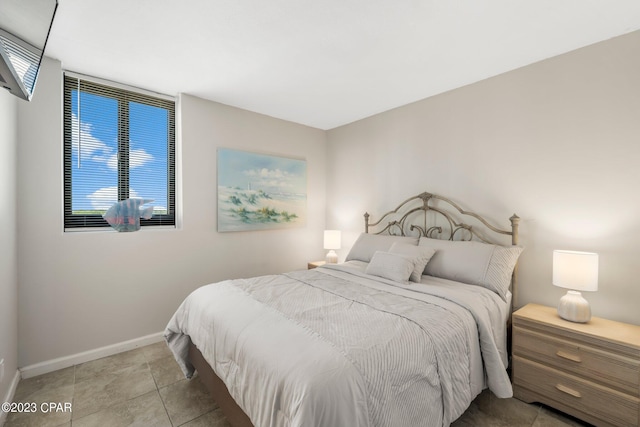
(437, 217)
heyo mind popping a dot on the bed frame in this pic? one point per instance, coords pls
(426, 215)
(437, 217)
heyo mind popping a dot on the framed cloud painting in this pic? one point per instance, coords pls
(259, 191)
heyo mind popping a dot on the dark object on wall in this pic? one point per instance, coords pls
(24, 30)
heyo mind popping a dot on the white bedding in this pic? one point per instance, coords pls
(336, 347)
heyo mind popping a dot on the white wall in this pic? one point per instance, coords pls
(79, 291)
(8, 242)
(557, 142)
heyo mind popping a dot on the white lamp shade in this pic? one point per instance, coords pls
(332, 239)
(575, 270)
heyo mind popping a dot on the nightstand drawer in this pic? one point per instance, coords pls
(591, 363)
(556, 387)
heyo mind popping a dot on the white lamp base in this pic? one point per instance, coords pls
(574, 308)
(332, 257)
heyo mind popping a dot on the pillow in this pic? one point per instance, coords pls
(367, 244)
(419, 254)
(471, 262)
(390, 266)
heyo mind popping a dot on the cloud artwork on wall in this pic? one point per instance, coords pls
(260, 191)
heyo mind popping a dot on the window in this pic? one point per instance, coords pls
(118, 144)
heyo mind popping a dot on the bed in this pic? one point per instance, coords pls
(407, 331)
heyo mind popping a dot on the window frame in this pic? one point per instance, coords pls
(123, 94)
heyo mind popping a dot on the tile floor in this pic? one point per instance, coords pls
(145, 387)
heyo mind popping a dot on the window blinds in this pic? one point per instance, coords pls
(118, 144)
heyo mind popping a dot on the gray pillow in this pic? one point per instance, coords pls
(475, 263)
(419, 254)
(394, 267)
(367, 244)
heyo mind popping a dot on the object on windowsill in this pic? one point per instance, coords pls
(125, 215)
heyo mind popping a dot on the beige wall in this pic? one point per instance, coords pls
(557, 142)
(80, 291)
(8, 241)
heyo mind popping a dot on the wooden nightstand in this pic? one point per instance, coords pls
(315, 264)
(589, 370)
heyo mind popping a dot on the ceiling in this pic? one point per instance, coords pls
(322, 63)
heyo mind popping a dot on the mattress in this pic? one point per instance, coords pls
(335, 346)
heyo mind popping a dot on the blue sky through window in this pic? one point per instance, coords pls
(95, 153)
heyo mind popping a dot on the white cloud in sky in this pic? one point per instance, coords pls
(112, 162)
(105, 197)
(136, 158)
(83, 142)
(139, 157)
(87, 146)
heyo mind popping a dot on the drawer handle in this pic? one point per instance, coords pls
(568, 356)
(568, 390)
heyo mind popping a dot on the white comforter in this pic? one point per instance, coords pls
(336, 347)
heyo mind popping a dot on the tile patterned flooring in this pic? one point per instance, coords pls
(145, 387)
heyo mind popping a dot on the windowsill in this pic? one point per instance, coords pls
(111, 230)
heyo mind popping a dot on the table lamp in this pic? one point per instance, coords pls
(577, 271)
(332, 240)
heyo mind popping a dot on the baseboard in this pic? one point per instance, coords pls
(9, 397)
(86, 356)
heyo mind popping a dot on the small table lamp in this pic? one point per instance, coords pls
(577, 271)
(332, 240)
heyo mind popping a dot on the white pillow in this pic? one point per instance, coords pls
(390, 266)
(419, 254)
(475, 263)
(367, 244)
